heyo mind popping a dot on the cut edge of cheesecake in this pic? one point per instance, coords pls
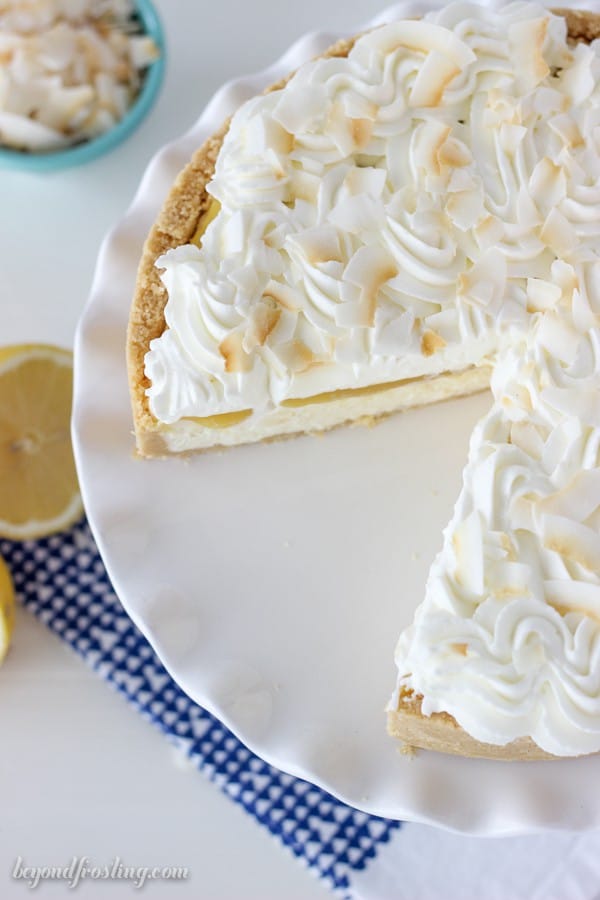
(312, 415)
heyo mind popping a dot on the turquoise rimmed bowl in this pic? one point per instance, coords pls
(104, 143)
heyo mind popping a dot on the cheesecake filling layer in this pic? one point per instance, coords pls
(384, 216)
(228, 420)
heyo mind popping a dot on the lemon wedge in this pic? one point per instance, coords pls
(39, 493)
(7, 608)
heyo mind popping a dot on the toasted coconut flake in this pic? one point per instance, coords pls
(426, 37)
(559, 339)
(232, 351)
(527, 40)
(265, 316)
(465, 208)
(572, 541)
(361, 130)
(296, 356)
(454, 153)
(142, 51)
(567, 129)
(565, 277)
(541, 295)
(434, 75)
(431, 343)
(283, 295)
(429, 139)
(23, 133)
(369, 269)
(548, 183)
(558, 233)
(320, 244)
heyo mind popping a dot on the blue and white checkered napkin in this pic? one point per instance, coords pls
(62, 580)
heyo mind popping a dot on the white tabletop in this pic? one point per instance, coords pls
(81, 774)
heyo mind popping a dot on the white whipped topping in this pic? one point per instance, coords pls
(507, 639)
(430, 201)
(379, 216)
(69, 69)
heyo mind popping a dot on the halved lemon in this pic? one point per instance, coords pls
(7, 608)
(39, 493)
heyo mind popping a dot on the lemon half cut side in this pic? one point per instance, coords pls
(7, 608)
(39, 492)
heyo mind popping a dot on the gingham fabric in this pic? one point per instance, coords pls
(62, 581)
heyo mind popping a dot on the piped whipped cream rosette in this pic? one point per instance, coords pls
(69, 69)
(429, 204)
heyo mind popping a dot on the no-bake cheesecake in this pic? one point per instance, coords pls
(414, 210)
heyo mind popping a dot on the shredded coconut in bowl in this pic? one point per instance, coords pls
(69, 69)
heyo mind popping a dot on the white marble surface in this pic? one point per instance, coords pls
(81, 773)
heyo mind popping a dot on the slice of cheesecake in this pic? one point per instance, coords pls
(503, 657)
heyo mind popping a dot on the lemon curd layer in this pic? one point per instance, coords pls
(224, 420)
(210, 213)
(332, 396)
(227, 420)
